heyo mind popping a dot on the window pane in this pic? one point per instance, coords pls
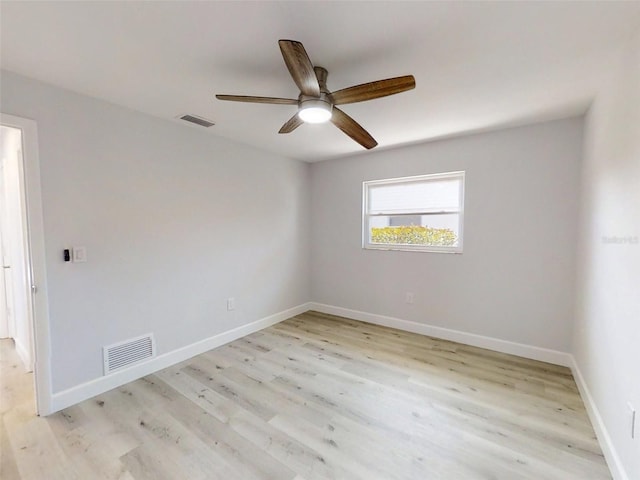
(421, 230)
(419, 196)
(403, 220)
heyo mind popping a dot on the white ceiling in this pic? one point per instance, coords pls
(478, 65)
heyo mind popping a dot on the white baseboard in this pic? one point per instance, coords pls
(100, 385)
(522, 350)
(610, 454)
(24, 355)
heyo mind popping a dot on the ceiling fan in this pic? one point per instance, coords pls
(316, 104)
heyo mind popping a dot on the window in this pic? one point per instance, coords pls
(421, 213)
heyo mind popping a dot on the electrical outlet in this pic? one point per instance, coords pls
(231, 303)
(409, 297)
(632, 415)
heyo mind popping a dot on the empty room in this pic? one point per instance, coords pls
(313, 240)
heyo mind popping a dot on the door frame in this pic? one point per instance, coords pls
(9, 324)
(36, 262)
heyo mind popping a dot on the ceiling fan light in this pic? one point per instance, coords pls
(315, 111)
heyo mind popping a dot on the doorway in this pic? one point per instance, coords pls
(23, 303)
(16, 316)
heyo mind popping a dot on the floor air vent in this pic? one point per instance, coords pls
(129, 352)
(203, 122)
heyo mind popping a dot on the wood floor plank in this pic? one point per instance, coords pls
(316, 397)
(300, 457)
(228, 447)
(8, 466)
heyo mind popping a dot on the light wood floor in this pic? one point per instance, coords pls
(315, 397)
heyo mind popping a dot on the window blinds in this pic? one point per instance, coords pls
(420, 196)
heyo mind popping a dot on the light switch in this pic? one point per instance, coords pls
(79, 254)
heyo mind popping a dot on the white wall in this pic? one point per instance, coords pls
(607, 333)
(174, 219)
(516, 277)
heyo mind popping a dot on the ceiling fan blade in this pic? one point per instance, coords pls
(249, 99)
(371, 90)
(291, 124)
(300, 67)
(352, 128)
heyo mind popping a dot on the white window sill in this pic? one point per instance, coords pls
(407, 248)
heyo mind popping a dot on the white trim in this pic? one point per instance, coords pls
(613, 459)
(37, 264)
(23, 353)
(412, 248)
(505, 346)
(100, 385)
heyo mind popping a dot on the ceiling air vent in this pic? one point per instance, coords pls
(129, 352)
(203, 122)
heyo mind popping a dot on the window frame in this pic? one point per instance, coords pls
(458, 249)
